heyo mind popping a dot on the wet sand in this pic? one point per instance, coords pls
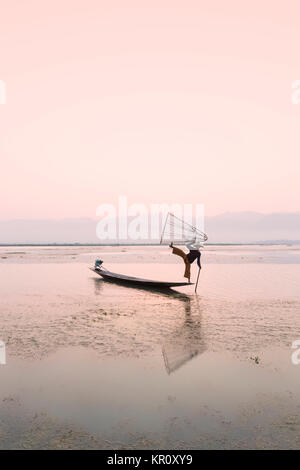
(90, 364)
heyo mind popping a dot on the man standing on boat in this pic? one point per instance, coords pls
(194, 253)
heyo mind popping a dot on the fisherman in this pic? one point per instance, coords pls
(194, 253)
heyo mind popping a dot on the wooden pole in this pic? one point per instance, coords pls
(197, 280)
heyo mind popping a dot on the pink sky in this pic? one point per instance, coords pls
(161, 101)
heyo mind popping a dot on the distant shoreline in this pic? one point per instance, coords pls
(263, 243)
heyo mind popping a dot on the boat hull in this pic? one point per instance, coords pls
(135, 281)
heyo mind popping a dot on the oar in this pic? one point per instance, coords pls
(197, 280)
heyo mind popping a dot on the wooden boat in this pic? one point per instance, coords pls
(136, 281)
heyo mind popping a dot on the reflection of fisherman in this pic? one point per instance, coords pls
(194, 253)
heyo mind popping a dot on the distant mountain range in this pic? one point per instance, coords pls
(253, 226)
(230, 227)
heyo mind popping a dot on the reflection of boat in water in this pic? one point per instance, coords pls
(186, 341)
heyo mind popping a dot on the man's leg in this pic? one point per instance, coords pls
(187, 272)
(179, 252)
(182, 254)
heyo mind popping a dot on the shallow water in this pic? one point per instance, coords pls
(92, 364)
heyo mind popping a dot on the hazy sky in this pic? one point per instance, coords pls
(162, 101)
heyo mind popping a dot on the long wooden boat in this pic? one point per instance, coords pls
(136, 281)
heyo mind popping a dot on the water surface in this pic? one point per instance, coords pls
(92, 364)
